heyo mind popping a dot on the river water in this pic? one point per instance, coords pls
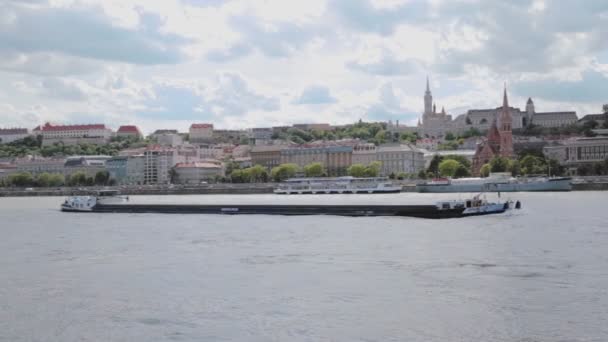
(538, 274)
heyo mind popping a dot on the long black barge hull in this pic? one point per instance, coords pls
(422, 211)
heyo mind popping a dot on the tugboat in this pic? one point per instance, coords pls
(88, 203)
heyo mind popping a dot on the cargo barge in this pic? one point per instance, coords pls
(444, 209)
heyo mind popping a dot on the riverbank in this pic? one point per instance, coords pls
(578, 184)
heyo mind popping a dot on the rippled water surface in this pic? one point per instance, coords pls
(538, 274)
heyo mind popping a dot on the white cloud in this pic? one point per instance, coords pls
(245, 63)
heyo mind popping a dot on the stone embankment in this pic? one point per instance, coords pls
(592, 183)
(259, 188)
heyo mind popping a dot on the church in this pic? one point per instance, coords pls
(499, 140)
(433, 125)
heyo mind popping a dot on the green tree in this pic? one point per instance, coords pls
(514, 167)
(461, 171)
(402, 176)
(422, 174)
(485, 170)
(356, 170)
(449, 136)
(102, 178)
(257, 173)
(77, 179)
(409, 137)
(283, 172)
(531, 164)
(461, 159)
(499, 164)
(44, 180)
(373, 169)
(56, 179)
(447, 168)
(314, 170)
(237, 176)
(380, 137)
(21, 179)
(555, 168)
(434, 165)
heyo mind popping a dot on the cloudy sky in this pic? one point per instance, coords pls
(245, 63)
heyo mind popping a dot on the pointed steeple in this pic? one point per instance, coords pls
(428, 98)
(505, 101)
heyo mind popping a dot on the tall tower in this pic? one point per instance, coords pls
(530, 106)
(506, 133)
(529, 113)
(428, 99)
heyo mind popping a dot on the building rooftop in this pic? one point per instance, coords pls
(165, 131)
(201, 165)
(201, 125)
(267, 148)
(47, 127)
(554, 113)
(13, 131)
(593, 117)
(128, 129)
(396, 148)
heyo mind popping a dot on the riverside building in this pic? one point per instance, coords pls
(335, 159)
(201, 132)
(399, 158)
(8, 135)
(73, 134)
(576, 152)
(129, 131)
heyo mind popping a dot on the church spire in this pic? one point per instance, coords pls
(428, 99)
(505, 101)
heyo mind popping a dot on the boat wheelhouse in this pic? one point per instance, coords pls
(337, 185)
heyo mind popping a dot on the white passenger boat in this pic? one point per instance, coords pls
(338, 185)
(496, 182)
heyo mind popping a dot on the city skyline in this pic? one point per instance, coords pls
(239, 64)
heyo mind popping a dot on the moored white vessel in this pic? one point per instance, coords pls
(496, 182)
(337, 185)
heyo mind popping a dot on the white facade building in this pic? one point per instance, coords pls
(572, 153)
(158, 162)
(58, 133)
(397, 159)
(195, 173)
(202, 132)
(41, 165)
(8, 135)
(364, 154)
(169, 139)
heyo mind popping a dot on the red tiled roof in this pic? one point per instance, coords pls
(201, 125)
(128, 129)
(48, 127)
